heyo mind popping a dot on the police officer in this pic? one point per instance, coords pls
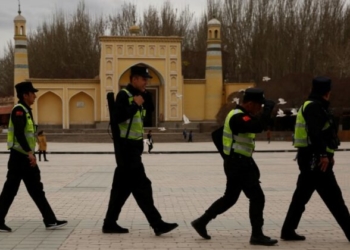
(316, 139)
(241, 171)
(22, 163)
(130, 177)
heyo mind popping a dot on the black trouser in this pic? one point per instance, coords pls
(44, 153)
(327, 187)
(150, 147)
(130, 178)
(242, 174)
(20, 169)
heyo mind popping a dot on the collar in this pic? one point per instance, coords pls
(133, 90)
(241, 108)
(314, 97)
(25, 105)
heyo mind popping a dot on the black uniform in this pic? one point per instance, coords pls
(311, 177)
(19, 169)
(130, 177)
(242, 173)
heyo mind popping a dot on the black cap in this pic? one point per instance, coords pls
(140, 71)
(25, 87)
(254, 95)
(321, 85)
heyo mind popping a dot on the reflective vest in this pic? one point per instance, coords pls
(242, 143)
(301, 139)
(29, 132)
(136, 126)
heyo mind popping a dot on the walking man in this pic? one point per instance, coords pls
(22, 163)
(242, 173)
(130, 177)
(316, 139)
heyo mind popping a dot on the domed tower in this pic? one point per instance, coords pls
(134, 29)
(21, 56)
(213, 70)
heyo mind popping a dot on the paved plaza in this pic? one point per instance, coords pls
(184, 185)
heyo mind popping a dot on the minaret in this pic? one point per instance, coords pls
(213, 70)
(21, 56)
(134, 29)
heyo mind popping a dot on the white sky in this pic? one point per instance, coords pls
(36, 11)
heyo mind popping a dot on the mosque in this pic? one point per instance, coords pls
(74, 103)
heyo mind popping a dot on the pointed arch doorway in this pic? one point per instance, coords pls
(150, 119)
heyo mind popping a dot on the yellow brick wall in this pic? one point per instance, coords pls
(194, 99)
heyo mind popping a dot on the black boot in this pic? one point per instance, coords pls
(39, 155)
(163, 227)
(4, 228)
(113, 228)
(346, 229)
(258, 238)
(200, 225)
(291, 236)
(348, 236)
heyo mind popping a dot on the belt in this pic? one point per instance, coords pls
(239, 156)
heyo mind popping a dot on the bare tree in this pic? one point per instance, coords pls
(167, 22)
(66, 47)
(121, 21)
(7, 71)
(151, 23)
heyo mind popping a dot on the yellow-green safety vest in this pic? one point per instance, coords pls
(136, 128)
(301, 139)
(243, 143)
(29, 132)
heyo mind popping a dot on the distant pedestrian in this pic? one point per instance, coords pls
(42, 145)
(150, 141)
(190, 136)
(184, 133)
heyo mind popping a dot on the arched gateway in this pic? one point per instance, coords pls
(162, 55)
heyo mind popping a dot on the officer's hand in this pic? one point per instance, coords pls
(324, 162)
(139, 100)
(32, 159)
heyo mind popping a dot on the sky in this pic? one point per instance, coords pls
(37, 11)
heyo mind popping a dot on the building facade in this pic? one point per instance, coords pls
(69, 103)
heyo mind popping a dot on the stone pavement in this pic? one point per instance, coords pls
(173, 147)
(184, 185)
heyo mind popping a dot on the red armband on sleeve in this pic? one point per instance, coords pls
(19, 113)
(246, 118)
